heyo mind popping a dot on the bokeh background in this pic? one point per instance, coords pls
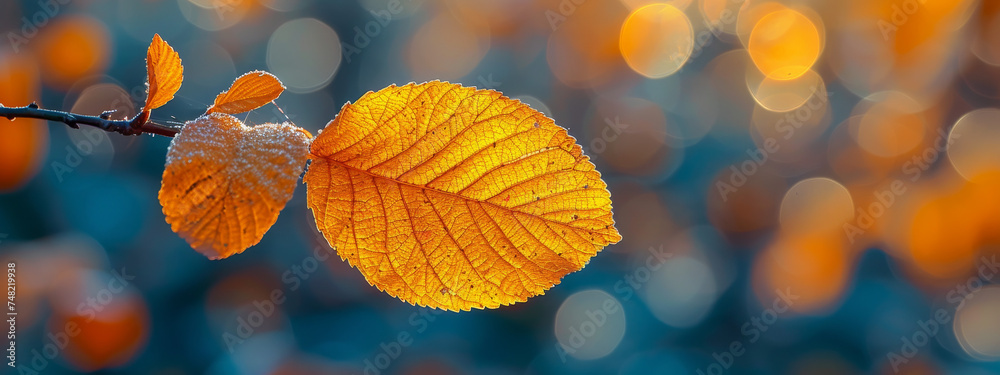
(803, 187)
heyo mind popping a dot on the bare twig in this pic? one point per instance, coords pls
(137, 125)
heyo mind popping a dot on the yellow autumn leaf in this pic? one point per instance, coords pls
(224, 182)
(456, 198)
(249, 92)
(165, 73)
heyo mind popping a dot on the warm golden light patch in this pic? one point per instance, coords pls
(785, 44)
(656, 40)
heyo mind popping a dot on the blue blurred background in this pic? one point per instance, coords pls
(803, 187)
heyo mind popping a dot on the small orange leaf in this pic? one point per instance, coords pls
(165, 72)
(456, 198)
(249, 92)
(224, 182)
